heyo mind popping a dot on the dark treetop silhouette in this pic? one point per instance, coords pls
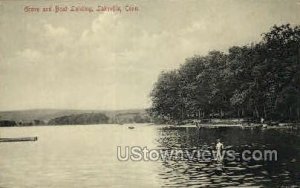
(254, 81)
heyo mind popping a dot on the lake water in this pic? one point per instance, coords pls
(86, 156)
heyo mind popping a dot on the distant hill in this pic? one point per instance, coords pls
(80, 119)
(43, 114)
(30, 117)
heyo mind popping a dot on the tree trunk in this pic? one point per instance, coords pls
(265, 112)
(290, 113)
(256, 112)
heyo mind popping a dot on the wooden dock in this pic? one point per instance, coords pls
(20, 139)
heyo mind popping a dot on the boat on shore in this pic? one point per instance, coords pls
(200, 125)
(249, 126)
(20, 139)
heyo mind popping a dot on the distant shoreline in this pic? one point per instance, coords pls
(71, 117)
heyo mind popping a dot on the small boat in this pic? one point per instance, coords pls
(251, 126)
(264, 126)
(21, 139)
(131, 127)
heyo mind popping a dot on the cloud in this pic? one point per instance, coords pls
(55, 32)
(111, 60)
(29, 55)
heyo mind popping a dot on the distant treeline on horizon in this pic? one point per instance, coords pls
(43, 117)
(253, 81)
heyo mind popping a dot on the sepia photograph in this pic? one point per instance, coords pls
(149, 93)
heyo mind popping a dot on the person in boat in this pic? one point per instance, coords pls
(219, 148)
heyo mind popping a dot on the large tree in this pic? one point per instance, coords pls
(258, 80)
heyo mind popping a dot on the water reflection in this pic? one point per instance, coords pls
(85, 156)
(285, 171)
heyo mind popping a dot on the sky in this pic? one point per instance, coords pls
(111, 60)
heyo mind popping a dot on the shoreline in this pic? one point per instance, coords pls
(197, 125)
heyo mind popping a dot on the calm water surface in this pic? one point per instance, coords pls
(86, 156)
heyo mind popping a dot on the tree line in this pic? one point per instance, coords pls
(250, 81)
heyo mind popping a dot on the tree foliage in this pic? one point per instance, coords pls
(257, 80)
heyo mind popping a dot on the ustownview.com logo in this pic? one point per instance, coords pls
(138, 153)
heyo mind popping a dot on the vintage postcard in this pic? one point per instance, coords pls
(140, 93)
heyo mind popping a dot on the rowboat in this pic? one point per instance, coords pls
(21, 139)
